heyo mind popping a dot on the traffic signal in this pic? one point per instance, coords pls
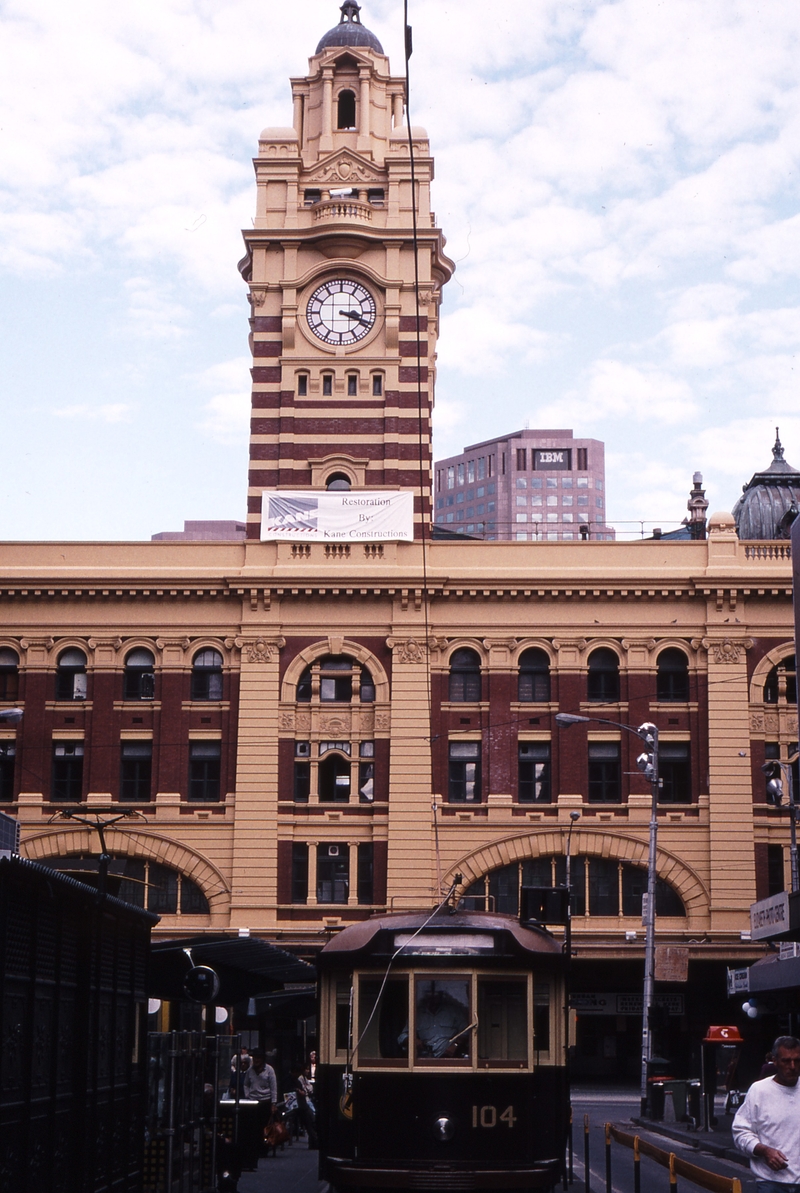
(772, 770)
(648, 761)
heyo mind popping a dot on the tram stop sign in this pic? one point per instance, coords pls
(201, 984)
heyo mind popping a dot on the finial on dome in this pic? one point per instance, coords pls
(350, 12)
(777, 451)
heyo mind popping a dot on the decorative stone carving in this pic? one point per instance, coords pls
(257, 297)
(302, 721)
(757, 722)
(382, 720)
(726, 650)
(287, 719)
(260, 650)
(771, 723)
(410, 651)
(346, 168)
(335, 725)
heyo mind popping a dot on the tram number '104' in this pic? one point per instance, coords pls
(487, 1116)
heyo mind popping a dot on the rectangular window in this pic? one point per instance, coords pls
(327, 385)
(377, 391)
(366, 782)
(583, 459)
(503, 463)
(299, 873)
(451, 477)
(502, 1022)
(464, 779)
(522, 459)
(366, 879)
(302, 385)
(541, 1018)
(67, 774)
(383, 1029)
(352, 386)
(534, 772)
(481, 468)
(136, 769)
(491, 465)
(470, 472)
(311, 196)
(70, 684)
(333, 873)
(7, 752)
(461, 474)
(674, 771)
(582, 482)
(375, 196)
(775, 873)
(604, 773)
(204, 771)
(442, 1019)
(302, 782)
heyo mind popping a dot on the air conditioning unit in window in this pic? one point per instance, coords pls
(302, 749)
(333, 851)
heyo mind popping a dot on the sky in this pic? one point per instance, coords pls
(617, 181)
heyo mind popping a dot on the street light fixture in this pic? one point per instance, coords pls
(648, 764)
(773, 769)
(12, 715)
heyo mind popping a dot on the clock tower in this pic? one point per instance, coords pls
(343, 370)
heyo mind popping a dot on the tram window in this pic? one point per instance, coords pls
(502, 1021)
(442, 1019)
(342, 1019)
(383, 1035)
(541, 1018)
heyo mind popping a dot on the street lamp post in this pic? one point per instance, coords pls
(773, 769)
(574, 817)
(648, 764)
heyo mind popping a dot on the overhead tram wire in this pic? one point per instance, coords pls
(424, 481)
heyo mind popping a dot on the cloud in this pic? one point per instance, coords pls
(617, 390)
(226, 415)
(109, 412)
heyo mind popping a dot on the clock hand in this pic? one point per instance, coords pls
(354, 315)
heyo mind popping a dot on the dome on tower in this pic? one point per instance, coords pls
(770, 500)
(350, 31)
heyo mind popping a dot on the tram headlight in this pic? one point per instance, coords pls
(444, 1129)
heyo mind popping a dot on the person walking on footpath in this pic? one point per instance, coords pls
(767, 1124)
(260, 1084)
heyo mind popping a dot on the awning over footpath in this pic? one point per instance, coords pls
(774, 973)
(247, 967)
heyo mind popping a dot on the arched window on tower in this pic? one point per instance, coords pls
(534, 677)
(140, 679)
(672, 680)
(465, 676)
(603, 678)
(71, 675)
(781, 685)
(346, 112)
(338, 481)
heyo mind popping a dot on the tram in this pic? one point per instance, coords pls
(441, 1060)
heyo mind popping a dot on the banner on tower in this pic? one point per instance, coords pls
(357, 515)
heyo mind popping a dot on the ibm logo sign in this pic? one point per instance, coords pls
(560, 459)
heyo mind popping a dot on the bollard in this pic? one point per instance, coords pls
(608, 1158)
(637, 1166)
(586, 1174)
(673, 1180)
(571, 1154)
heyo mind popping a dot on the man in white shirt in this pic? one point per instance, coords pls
(767, 1124)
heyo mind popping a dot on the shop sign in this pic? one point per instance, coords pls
(738, 982)
(672, 963)
(357, 515)
(769, 917)
(594, 1004)
(598, 1003)
(547, 460)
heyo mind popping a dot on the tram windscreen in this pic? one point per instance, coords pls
(442, 1019)
(383, 1034)
(503, 1020)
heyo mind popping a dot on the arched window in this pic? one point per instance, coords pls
(346, 114)
(9, 674)
(534, 677)
(600, 887)
(781, 685)
(465, 676)
(71, 675)
(672, 680)
(603, 678)
(143, 883)
(139, 678)
(334, 779)
(339, 678)
(338, 481)
(207, 675)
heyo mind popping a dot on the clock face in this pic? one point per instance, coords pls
(341, 312)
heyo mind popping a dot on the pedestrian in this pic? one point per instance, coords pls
(767, 1125)
(240, 1063)
(305, 1103)
(261, 1085)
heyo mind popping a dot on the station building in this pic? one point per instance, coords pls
(303, 733)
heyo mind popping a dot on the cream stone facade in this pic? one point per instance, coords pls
(305, 733)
